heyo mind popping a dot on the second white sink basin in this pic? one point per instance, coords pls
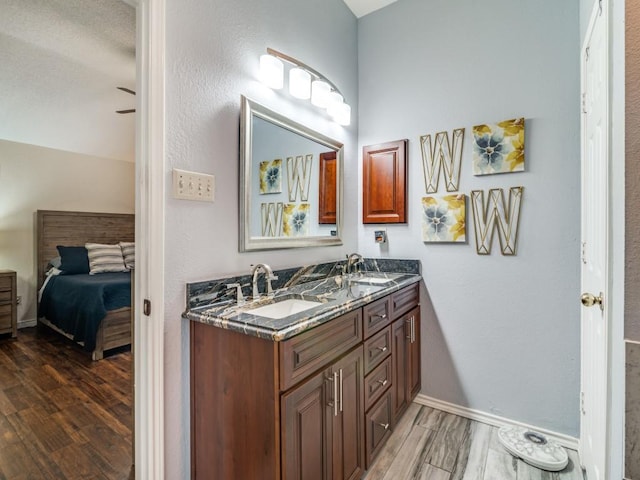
(284, 308)
(376, 280)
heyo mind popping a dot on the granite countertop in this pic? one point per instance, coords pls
(337, 294)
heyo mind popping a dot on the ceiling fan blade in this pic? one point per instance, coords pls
(126, 111)
(126, 90)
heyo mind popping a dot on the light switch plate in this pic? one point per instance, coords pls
(193, 186)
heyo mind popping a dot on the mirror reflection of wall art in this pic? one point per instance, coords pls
(295, 222)
(496, 215)
(442, 155)
(271, 176)
(498, 148)
(271, 214)
(444, 218)
(299, 176)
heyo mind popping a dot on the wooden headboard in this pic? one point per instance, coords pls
(77, 228)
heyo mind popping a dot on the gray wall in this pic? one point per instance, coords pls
(503, 333)
(212, 53)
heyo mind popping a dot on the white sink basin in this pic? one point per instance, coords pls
(283, 308)
(390, 277)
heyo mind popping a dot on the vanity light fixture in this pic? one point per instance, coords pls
(304, 83)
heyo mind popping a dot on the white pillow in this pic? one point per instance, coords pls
(128, 253)
(105, 258)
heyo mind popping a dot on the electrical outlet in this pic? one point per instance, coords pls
(193, 186)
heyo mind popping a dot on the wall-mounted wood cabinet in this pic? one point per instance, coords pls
(384, 183)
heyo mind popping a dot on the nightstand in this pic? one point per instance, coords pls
(8, 303)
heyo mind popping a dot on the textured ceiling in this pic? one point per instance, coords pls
(61, 63)
(360, 8)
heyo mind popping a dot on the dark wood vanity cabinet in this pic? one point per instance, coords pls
(319, 405)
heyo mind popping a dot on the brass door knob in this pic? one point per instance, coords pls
(589, 300)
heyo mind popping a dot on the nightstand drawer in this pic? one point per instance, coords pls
(5, 310)
(5, 283)
(6, 297)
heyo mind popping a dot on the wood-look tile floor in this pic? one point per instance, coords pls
(63, 416)
(429, 444)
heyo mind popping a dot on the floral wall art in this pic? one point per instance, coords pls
(444, 218)
(295, 220)
(498, 148)
(271, 176)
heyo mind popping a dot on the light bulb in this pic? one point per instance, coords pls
(299, 83)
(271, 71)
(335, 100)
(320, 91)
(342, 114)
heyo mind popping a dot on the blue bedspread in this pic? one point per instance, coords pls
(78, 303)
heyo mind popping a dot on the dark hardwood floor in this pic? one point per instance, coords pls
(63, 416)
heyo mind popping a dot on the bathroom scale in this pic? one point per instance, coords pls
(533, 448)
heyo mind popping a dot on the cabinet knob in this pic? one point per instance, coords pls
(383, 382)
(384, 425)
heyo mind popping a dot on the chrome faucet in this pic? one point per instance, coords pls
(268, 275)
(353, 260)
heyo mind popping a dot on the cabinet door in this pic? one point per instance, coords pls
(413, 357)
(348, 418)
(384, 183)
(399, 354)
(306, 424)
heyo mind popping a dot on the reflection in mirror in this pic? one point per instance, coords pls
(290, 183)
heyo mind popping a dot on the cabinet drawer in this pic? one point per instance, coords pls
(378, 427)
(5, 310)
(5, 323)
(376, 316)
(376, 349)
(303, 354)
(377, 382)
(404, 300)
(5, 283)
(6, 297)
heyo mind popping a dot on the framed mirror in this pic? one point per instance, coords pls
(290, 183)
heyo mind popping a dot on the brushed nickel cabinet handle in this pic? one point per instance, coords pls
(383, 349)
(380, 315)
(340, 390)
(383, 382)
(383, 425)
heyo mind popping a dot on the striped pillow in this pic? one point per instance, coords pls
(128, 252)
(105, 258)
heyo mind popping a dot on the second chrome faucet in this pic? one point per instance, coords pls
(268, 275)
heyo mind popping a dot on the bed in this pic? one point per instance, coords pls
(106, 295)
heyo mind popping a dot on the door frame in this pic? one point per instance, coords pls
(148, 344)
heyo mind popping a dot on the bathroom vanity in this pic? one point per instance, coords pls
(306, 395)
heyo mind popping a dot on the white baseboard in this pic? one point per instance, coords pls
(491, 419)
(29, 322)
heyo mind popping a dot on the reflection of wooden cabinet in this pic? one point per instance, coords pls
(314, 406)
(328, 188)
(8, 303)
(384, 183)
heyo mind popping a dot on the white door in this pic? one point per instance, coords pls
(594, 318)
